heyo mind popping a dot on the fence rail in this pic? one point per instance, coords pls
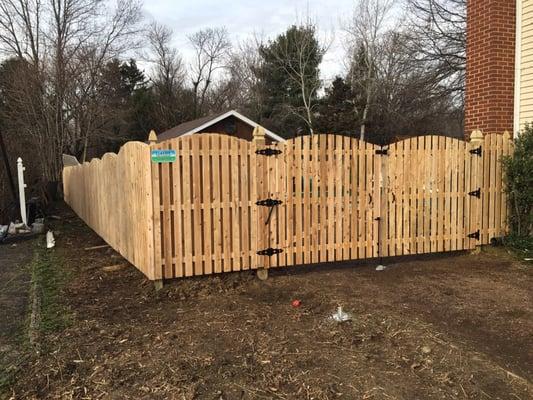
(335, 198)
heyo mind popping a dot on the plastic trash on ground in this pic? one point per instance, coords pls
(3, 231)
(50, 241)
(381, 268)
(340, 316)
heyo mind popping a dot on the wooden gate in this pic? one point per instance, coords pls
(342, 199)
(431, 196)
(329, 190)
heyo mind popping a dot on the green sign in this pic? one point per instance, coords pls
(163, 156)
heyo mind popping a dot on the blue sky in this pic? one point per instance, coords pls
(244, 18)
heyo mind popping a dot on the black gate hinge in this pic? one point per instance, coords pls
(475, 235)
(382, 152)
(476, 151)
(268, 152)
(269, 252)
(269, 202)
(475, 193)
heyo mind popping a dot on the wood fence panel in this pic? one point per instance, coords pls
(214, 225)
(113, 195)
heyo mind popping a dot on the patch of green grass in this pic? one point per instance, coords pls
(49, 277)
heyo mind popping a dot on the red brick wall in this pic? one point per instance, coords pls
(490, 66)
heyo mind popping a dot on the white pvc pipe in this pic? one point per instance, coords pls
(22, 194)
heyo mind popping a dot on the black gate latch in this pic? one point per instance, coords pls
(475, 193)
(268, 152)
(269, 252)
(269, 202)
(475, 235)
(476, 151)
(382, 152)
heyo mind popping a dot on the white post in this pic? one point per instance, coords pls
(22, 195)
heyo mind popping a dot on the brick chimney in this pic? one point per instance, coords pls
(490, 66)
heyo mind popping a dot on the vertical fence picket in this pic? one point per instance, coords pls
(347, 208)
(244, 223)
(178, 208)
(206, 204)
(315, 207)
(235, 205)
(453, 171)
(306, 199)
(461, 173)
(323, 170)
(226, 199)
(507, 148)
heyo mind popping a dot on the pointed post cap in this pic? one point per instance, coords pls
(152, 137)
(259, 135)
(476, 136)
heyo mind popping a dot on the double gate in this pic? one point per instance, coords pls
(226, 204)
(336, 198)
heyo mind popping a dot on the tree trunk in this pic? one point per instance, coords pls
(8, 168)
(363, 123)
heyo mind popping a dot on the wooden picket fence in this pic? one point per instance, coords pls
(322, 198)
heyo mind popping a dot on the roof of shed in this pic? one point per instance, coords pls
(190, 127)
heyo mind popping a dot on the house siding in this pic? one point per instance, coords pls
(525, 113)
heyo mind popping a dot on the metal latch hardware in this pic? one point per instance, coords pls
(476, 151)
(382, 152)
(474, 235)
(269, 252)
(475, 193)
(268, 152)
(269, 203)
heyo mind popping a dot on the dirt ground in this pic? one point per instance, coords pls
(436, 327)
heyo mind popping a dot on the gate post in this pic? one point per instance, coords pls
(383, 204)
(260, 192)
(157, 273)
(476, 150)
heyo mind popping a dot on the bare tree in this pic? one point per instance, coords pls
(168, 75)
(438, 29)
(168, 65)
(64, 45)
(211, 47)
(239, 86)
(365, 31)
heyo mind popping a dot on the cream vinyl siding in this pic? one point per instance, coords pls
(526, 63)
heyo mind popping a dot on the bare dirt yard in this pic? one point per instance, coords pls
(435, 327)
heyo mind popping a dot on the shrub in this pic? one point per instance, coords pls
(519, 186)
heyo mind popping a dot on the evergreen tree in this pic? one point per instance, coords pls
(289, 80)
(336, 111)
